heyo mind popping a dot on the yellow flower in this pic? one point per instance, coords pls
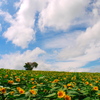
(78, 89)
(3, 90)
(95, 88)
(33, 92)
(61, 94)
(55, 81)
(90, 84)
(32, 79)
(41, 83)
(99, 94)
(21, 91)
(33, 87)
(96, 81)
(86, 83)
(64, 78)
(67, 97)
(83, 80)
(64, 86)
(18, 88)
(32, 82)
(12, 92)
(10, 81)
(18, 79)
(69, 85)
(0, 88)
(5, 76)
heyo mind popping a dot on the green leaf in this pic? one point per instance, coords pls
(98, 92)
(40, 85)
(72, 92)
(27, 94)
(20, 97)
(87, 98)
(54, 88)
(50, 95)
(39, 76)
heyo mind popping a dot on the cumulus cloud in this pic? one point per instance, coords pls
(61, 41)
(83, 42)
(74, 64)
(76, 49)
(85, 49)
(17, 60)
(21, 32)
(7, 16)
(61, 14)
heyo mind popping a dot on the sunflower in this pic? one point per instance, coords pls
(18, 79)
(21, 91)
(12, 92)
(55, 81)
(33, 91)
(69, 85)
(67, 97)
(10, 81)
(61, 94)
(3, 90)
(95, 88)
(86, 83)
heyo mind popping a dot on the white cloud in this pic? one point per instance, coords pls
(82, 43)
(21, 31)
(7, 16)
(85, 49)
(61, 14)
(95, 68)
(61, 41)
(72, 66)
(79, 47)
(18, 4)
(0, 3)
(17, 60)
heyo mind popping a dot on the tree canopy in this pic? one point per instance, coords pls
(30, 65)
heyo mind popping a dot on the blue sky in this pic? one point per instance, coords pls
(60, 35)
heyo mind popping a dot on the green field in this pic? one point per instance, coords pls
(48, 85)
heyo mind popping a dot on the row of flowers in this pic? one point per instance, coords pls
(47, 85)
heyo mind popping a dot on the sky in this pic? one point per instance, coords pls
(60, 35)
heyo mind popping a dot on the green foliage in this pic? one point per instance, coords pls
(30, 66)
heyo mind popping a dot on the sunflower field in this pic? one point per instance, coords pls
(48, 85)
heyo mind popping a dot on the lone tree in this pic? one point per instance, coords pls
(30, 65)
